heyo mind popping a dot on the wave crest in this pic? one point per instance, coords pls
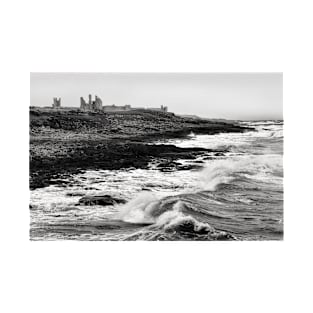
(168, 219)
(224, 171)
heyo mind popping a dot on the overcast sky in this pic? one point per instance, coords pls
(212, 95)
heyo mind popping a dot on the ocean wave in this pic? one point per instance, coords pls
(183, 234)
(168, 218)
(268, 133)
(152, 208)
(226, 170)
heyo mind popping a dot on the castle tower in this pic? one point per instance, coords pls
(89, 102)
(83, 104)
(98, 103)
(56, 103)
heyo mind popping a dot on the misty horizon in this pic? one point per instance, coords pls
(240, 96)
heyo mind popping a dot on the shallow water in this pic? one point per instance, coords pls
(236, 195)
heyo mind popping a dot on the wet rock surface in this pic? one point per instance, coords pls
(103, 200)
(69, 142)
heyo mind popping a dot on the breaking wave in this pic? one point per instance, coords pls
(166, 217)
(224, 171)
(237, 195)
(169, 221)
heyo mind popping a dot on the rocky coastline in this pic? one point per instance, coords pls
(67, 142)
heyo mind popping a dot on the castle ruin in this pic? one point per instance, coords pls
(91, 105)
(114, 107)
(128, 107)
(56, 103)
(96, 105)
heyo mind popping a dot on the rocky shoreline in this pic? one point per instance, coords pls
(67, 142)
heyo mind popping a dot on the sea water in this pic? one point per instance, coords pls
(235, 195)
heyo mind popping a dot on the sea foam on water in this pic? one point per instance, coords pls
(184, 204)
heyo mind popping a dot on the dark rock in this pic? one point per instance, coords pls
(189, 167)
(75, 194)
(69, 142)
(208, 158)
(100, 200)
(176, 166)
(168, 164)
(166, 169)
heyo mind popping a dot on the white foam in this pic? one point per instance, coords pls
(224, 171)
(139, 209)
(171, 219)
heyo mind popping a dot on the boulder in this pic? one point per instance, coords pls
(100, 200)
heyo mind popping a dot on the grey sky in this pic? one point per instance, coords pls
(212, 95)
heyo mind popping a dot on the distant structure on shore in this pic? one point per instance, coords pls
(163, 108)
(128, 107)
(114, 107)
(96, 105)
(56, 103)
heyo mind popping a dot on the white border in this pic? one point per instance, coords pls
(149, 36)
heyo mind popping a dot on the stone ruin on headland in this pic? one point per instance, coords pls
(91, 105)
(56, 103)
(96, 105)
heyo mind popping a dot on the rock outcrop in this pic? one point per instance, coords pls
(103, 200)
(67, 142)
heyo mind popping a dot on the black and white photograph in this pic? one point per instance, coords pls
(156, 156)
